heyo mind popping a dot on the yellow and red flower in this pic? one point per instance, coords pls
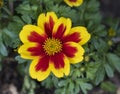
(72, 3)
(52, 45)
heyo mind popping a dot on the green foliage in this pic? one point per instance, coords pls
(109, 70)
(29, 85)
(91, 70)
(99, 75)
(109, 87)
(103, 51)
(20, 60)
(68, 86)
(3, 50)
(114, 60)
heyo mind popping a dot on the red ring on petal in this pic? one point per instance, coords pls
(49, 26)
(36, 51)
(35, 37)
(72, 0)
(68, 50)
(74, 37)
(42, 64)
(58, 60)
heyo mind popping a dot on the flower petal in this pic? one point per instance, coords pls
(72, 3)
(39, 68)
(73, 51)
(46, 22)
(30, 50)
(32, 33)
(85, 36)
(62, 27)
(59, 65)
(77, 34)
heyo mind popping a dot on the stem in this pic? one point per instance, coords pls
(11, 6)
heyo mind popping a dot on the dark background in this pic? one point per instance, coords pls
(110, 8)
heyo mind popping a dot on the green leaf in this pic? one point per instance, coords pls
(33, 84)
(77, 88)
(114, 60)
(8, 36)
(16, 43)
(18, 20)
(99, 75)
(8, 33)
(109, 70)
(47, 83)
(93, 6)
(15, 26)
(91, 69)
(60, 91)
(23, 8)
(62, 83)
(27, 19)
(100, 43)
(3, 49)
(20, 60)
(85, 86)
(109, 87)
(26, 82)
(71, 86)
(55, 81)
(76, 73)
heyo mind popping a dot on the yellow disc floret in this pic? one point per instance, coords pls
(52, 46)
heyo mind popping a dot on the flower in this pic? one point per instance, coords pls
(111, 32)
(1, 3)
(72, 3)
(52, 45)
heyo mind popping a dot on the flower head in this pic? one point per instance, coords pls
(1, 3)
(111, 32)
(72, 3)
(52, 45)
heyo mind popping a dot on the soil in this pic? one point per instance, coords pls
(10, 79)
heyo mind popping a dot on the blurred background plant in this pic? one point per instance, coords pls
(101, 61)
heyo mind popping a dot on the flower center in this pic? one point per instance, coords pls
(52, 46)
